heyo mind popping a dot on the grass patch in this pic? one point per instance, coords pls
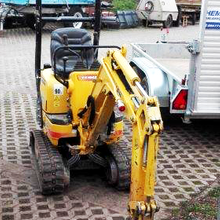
(124, 5)
(205, 210)
(203, 207)
(176, 212)
(214, 193)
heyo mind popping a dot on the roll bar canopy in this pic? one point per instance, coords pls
(97, 27)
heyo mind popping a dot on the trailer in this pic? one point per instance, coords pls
(158, 11)
(26, 9)
(185, 75)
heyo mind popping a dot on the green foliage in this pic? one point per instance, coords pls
(124, 4)
(205, 209)
(176, 212)
(215, 192)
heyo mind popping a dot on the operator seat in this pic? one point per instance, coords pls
(70, 37)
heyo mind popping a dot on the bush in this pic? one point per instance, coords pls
(124, 4)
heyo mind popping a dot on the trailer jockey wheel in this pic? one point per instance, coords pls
(75, 12)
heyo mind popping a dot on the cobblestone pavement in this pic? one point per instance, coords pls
(188, 158)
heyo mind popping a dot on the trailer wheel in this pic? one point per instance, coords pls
(169, 22)
(75, 12)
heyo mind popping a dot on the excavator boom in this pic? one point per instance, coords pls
(117, 84)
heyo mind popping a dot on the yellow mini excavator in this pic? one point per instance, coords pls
(80, 108)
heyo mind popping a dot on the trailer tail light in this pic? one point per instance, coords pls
(180, 101)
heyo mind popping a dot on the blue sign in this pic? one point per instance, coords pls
(213, 19)
(212, 25)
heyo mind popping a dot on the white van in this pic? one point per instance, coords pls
(158, 11)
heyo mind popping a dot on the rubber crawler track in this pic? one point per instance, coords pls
(51, 172)
(122, 155)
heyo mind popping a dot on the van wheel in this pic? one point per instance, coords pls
(75, 12)
(169, 22)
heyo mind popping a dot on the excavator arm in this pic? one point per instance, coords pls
(118, 85)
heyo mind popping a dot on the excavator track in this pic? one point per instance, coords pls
(121, 153)
(52, 174)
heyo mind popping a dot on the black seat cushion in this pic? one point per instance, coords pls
(70, 37)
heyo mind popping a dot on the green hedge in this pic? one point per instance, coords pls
(124, 4)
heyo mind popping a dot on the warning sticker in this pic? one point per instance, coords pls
(56, 101)
(58, 89)
(213, 19)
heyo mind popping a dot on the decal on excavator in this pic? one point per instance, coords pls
(89, 77)
(56, 101)
(58, 89)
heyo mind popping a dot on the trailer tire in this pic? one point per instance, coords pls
(75, 12)
(169, 22)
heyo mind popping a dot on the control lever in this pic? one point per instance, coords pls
(65, 59)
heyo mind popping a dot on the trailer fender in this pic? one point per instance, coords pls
(153, 79)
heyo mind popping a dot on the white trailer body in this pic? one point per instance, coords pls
(163, 11)
(185, 76)
(206, 78)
